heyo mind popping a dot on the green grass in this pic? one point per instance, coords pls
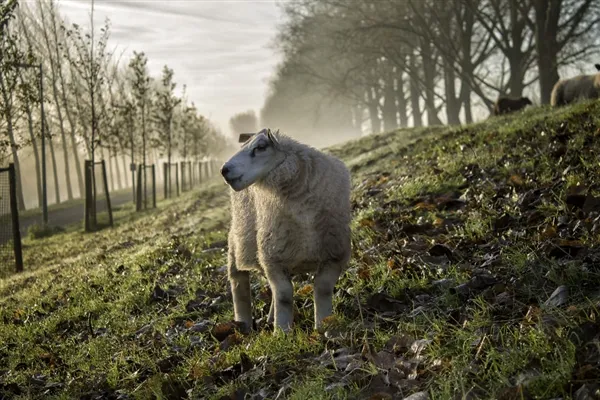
(460, 236)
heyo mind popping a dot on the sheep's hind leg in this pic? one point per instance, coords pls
(325, 279)
(282, 302)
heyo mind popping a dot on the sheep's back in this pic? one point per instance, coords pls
(581, 87)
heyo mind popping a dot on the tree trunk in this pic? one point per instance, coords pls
(374, 117)
(373, 111)
(357, 116)
(115, 157)
(50, 143)
(465, 98)
(8, 115)
(452, 103)
(36, 154)
(144, 153)
(517, 73)
(110, 174)
(415, 98)
(517, 59)
(32, 137)
(82, 121)
(429, 64)
(125, 171)
(390, 117)
(547, 14)
(548, 73)
(401, 100)
(15, 155)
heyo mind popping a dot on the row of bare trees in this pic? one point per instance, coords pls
(401, 62)
(96, 105)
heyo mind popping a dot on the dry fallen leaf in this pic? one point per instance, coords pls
(367, 222)
(224, 330)
(305, 290)
(548, 232)
(516, 180)
(364, 272)
(424, 206)
(391, 263)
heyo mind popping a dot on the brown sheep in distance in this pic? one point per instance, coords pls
(505, 105)
(580, 87)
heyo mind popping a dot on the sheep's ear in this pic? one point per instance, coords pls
(272, 137)
(244, 137)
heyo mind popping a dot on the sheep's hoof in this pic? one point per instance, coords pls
(243, 327)
(279, 330)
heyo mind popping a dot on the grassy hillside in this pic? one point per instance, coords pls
(475, 274)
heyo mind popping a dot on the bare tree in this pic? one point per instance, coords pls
(87, 62)
(504, 22)
(565, 31)
(166, 102)
(11, 57)
(55, 69)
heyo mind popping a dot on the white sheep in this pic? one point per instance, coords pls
(290, 209)
(580, 87)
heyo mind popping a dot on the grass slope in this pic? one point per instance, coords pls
(475, 274)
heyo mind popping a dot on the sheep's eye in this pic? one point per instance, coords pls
(259, 148)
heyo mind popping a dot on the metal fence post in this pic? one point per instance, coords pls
(108, 205)
(12, 182)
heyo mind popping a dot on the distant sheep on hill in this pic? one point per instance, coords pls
(290, 213)
(580, 87)
(505, 105)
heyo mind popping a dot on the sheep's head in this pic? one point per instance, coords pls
(257, 157)
(526, 101)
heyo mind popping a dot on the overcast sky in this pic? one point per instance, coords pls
(218, 48)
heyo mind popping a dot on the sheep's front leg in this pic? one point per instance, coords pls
(283, 298)
(325, 280)
(242, 299)
(240, 291)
